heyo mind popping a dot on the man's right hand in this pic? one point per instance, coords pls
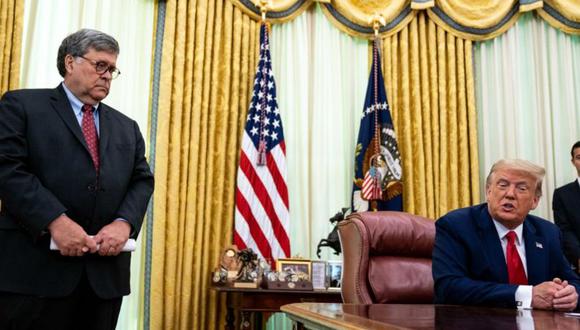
(71, 239)
(543, 294)
(566, 299)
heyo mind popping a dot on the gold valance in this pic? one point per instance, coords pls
(278, 11)
(469, 19)
(562, 14)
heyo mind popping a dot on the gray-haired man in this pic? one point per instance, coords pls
(72, 169)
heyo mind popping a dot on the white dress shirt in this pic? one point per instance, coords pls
(524, 292)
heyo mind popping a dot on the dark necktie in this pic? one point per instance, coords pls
(90, 133)
(516, 272)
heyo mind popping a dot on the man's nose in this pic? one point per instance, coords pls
(107, 75)
(511, 191)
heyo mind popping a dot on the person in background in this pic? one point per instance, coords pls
(497, 254)
(566, 207)
(72, 169)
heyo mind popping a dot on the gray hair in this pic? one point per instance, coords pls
(536, 171)
(80, 42)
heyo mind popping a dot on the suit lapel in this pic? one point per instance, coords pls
(104, 129)
(535, 253)
(62, 106)
(492, 246)
(575, 192)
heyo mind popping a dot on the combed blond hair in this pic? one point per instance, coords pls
(536, 171)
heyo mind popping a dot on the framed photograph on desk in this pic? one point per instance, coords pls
(294, 266)
(334, 272)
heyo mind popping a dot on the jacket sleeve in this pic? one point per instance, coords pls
(140, 188)
(452, 276)
(25, 200)
(571, 245)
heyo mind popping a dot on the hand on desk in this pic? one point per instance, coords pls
(556, 294)
(566, 298)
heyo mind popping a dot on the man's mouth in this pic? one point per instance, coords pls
(508, 207)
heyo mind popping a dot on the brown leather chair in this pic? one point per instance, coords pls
(387, 258)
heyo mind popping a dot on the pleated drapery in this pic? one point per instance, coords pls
(209, 50)
(11, 14)
(429, 80)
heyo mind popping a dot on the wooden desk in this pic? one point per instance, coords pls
(347, 316)
(251, 306)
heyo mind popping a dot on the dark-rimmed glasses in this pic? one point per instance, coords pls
(102, 67)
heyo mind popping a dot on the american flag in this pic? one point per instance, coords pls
(262, 221)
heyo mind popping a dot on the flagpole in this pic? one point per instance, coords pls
(261, 161)
(264, 5)
(378, 20)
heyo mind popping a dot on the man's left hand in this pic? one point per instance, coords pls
(113, 237)
(566, 298)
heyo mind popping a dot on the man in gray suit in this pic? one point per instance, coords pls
(72, 169)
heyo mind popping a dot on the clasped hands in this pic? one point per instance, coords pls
(556, 294)
(72, 240)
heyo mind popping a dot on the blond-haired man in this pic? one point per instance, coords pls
(497, 254)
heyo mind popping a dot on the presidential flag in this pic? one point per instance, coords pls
(262, 220)
(378, 171)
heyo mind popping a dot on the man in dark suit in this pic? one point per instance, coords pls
(496, 254)
(566, 206)
(72, 169)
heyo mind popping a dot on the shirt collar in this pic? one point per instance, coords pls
(76, 104)
(503, 230)
(578, 180)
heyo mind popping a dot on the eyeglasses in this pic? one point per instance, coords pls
(102, 67)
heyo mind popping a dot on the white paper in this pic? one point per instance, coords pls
(319, 275)
(130, 245)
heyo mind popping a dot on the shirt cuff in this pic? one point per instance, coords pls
(524, 297)
(130, 225)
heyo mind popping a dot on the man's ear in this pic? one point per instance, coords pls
(535, 202)
(68, 63)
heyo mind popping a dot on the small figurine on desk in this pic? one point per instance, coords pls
(248, 274)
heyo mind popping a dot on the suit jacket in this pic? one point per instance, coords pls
(469, 266)
(567, 217)
(45, 171)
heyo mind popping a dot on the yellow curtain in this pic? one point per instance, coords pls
(429, 80)
(11, 13)
(210, 50)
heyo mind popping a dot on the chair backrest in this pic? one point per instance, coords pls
(387, 258)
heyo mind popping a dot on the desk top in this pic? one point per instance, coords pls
(268, 291)
(392, 316)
